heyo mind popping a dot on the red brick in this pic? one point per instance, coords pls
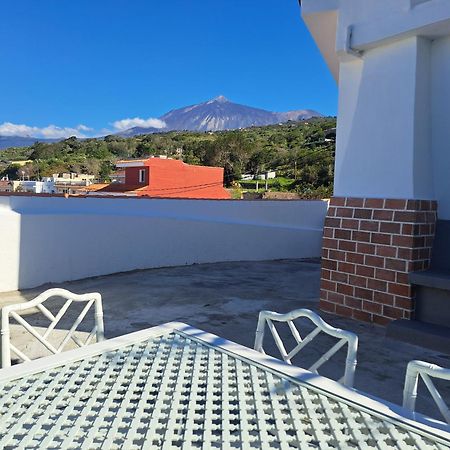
(340, 277)
(337, 201)
(403, 290)
(361, 213)
(395, 264)
(336, 255)
(403, 302)
(392, 313)
(346, 267)
(329, 264)
(386, 251)
(352, 302)
(367, 249)
(351, 224)
(323, 294)
(345, 289)
(402, 278)
(362, 315)
(325, 274)
(366, 294)
(355, 280)
(374, 203)
(381, 320)
(406, 216)
(424, 229)
(404, 253)
(328, 285)
(414, 266)
(403, 241)
(372, 307)
(328, 232)
(369, 225)
(381, 214)
(379, 238)
(332, 222)
(410, 229)
(344, 212)
(325, 253)
(347, 246)
(361, 236)
(385, 299)
(386, 275)
(377, 285)
(336, 298)
(414, 205)
(354, 202)
(355, 258)
(390, 227)
(395, 204)
(329, 243)
(422, 205)
(343, 234)
(343, 311)
(331, 212)
(374, 261)
(327, 306)
(365, 271)
(425, 253)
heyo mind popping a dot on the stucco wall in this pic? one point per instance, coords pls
(440, 62)
(56, 239)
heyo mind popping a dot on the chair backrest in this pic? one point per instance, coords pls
(14, 311)
(345, 338)
(426, 371)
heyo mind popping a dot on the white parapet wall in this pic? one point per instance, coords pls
(54, 239)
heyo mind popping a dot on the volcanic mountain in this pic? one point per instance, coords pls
(220, 114)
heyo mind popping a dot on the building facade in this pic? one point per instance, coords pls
(168, 178)
(391, 61)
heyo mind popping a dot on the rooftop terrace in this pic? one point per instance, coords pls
(225, 298)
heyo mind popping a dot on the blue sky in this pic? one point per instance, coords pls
(96, 62)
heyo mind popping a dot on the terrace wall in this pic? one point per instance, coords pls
(56, 239)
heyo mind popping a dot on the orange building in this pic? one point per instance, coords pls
(164, 177)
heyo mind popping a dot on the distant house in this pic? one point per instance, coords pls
(5, 185)
(165, 177)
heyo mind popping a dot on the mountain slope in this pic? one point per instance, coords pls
(220, 114)
(20, 141)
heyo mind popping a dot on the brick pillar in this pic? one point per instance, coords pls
(369, 248)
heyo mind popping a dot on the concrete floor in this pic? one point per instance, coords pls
(225, 299)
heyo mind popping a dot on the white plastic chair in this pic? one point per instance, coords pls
(426, 371)
(345, 337)
(14, 311)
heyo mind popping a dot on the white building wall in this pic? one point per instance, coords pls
(440, 63)
(383, 134)
(58, 239)
(9, 246)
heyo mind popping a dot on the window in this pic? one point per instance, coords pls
(142, 176)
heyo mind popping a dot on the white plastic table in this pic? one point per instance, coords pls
(175, 386)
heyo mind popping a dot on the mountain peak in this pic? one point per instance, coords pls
(219, 99)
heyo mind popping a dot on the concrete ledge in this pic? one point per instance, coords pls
(435, 337)
(431, 278)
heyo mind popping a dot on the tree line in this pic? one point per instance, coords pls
(301, 153)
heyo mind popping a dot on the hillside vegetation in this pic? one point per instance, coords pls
(297, 151)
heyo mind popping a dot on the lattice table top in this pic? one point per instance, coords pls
(172, 390)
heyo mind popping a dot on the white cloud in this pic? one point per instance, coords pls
(50, 131)
(125, 124)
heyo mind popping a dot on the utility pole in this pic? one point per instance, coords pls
(267, 181)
